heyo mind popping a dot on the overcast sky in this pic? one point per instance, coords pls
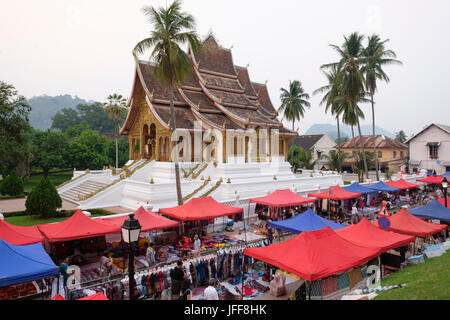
(84, 48)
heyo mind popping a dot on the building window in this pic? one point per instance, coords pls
(433, 151)
(395, 154)
(401, 154)
(380, 154)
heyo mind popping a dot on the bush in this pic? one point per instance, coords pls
(12, 185)
(43, 200)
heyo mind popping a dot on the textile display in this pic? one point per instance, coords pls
(278, 285)
(355, 277)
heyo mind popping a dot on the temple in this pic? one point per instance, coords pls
(218, 94)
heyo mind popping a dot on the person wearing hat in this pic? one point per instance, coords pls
(197, 245)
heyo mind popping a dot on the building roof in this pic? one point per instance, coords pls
(217, 92)
(381, 141)
(441, 126)
(306, 141)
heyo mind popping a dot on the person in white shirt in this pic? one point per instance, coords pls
(354, 214)
(197, 244)
(210, 292)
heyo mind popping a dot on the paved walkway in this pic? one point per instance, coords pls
(10, 205)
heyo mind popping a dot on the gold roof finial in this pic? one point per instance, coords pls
(248, 65)
(231, 47)
(152, 94)
(248, 118)
(168, 123)
(244, 87)
(197, 64)
(223, 124)
(198, 105)
(266, 82)
(220, 99)
(257, 94)
(297, 130)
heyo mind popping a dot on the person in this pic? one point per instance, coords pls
(179, 279)
(269, 232)
(197, 244)
(150, 254)
(398, 202)
(210, 292)
(354, 214)
(372, 202)
(63, 269)
(186, 244)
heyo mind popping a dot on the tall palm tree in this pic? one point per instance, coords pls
(293, 102)
(329, 99)
(172, 28)
(333, 159)
(350, 79)
(116, 109)
(376, 57)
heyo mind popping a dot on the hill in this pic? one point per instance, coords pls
(44, 107)
(331, 130)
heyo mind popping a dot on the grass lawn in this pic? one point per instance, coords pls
(34, 220)
(428, 281)
(56, 178)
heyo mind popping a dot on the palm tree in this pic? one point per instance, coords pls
(350, 80)
(329, 99)
(358, 166)
(376, 57)
(172, 28)
(334, 160)
(293, 102)
(298, 157)
(116, 109)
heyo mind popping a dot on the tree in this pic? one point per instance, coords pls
(333, 160)
(44, 199)
(293, 102)
(350, 80)
(123, 147)
(88, 151)
(172, 28)
(331, 91)
(65, 119)
(14, 113)
(12, 185)
(49, 150)
(298, 157)
(358, 165)
(401, 136)
(376, 57)
(116, 110)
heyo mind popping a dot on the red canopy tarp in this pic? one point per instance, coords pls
(337, 193)
(18, 235)
(97, 296)
(58, 297)
(314, 255)
(200, 209)
(282, 198)
(366, 234)
(406, 223)
(442, 201)
(149, 221)
(432, 179)
(401, 184)
(78, 226)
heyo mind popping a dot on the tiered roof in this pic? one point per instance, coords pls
(218, 93)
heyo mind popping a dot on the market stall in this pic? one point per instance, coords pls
(433, 210)
(366, 234)
(355, 187)
(281, 199)
(306, 221)
(18, 235)
(383, 187)
(406, 223)
(25, 263)
(336, 193)
(401, 184)
(432, 179)
(314, 255)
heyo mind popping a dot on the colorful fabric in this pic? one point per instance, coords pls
(278, 285)
(355, 276)
(329, 285)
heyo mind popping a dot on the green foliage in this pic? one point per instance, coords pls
(14, 112)
(123, 146)
(358, 165)
(293, 102)
(43, 200)
(300, 158)
(401, 136)
(333, 159)
(388, 174)
(88, 151)
(12, 185)
(49, 150)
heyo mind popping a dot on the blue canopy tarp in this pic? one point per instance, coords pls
(306, 221)
(447, 175)
(356, 187)
(21, 264)
(381, 186)
(432, 210)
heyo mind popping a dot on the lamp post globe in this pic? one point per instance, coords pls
(130, 235)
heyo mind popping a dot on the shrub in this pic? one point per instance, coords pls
(43, 200)
(12, 185)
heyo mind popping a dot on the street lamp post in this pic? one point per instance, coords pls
(444, 187)
(130, 235)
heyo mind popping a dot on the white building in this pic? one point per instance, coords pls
(430, 149)
(321, 144)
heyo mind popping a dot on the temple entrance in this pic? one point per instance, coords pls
(149, 138)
